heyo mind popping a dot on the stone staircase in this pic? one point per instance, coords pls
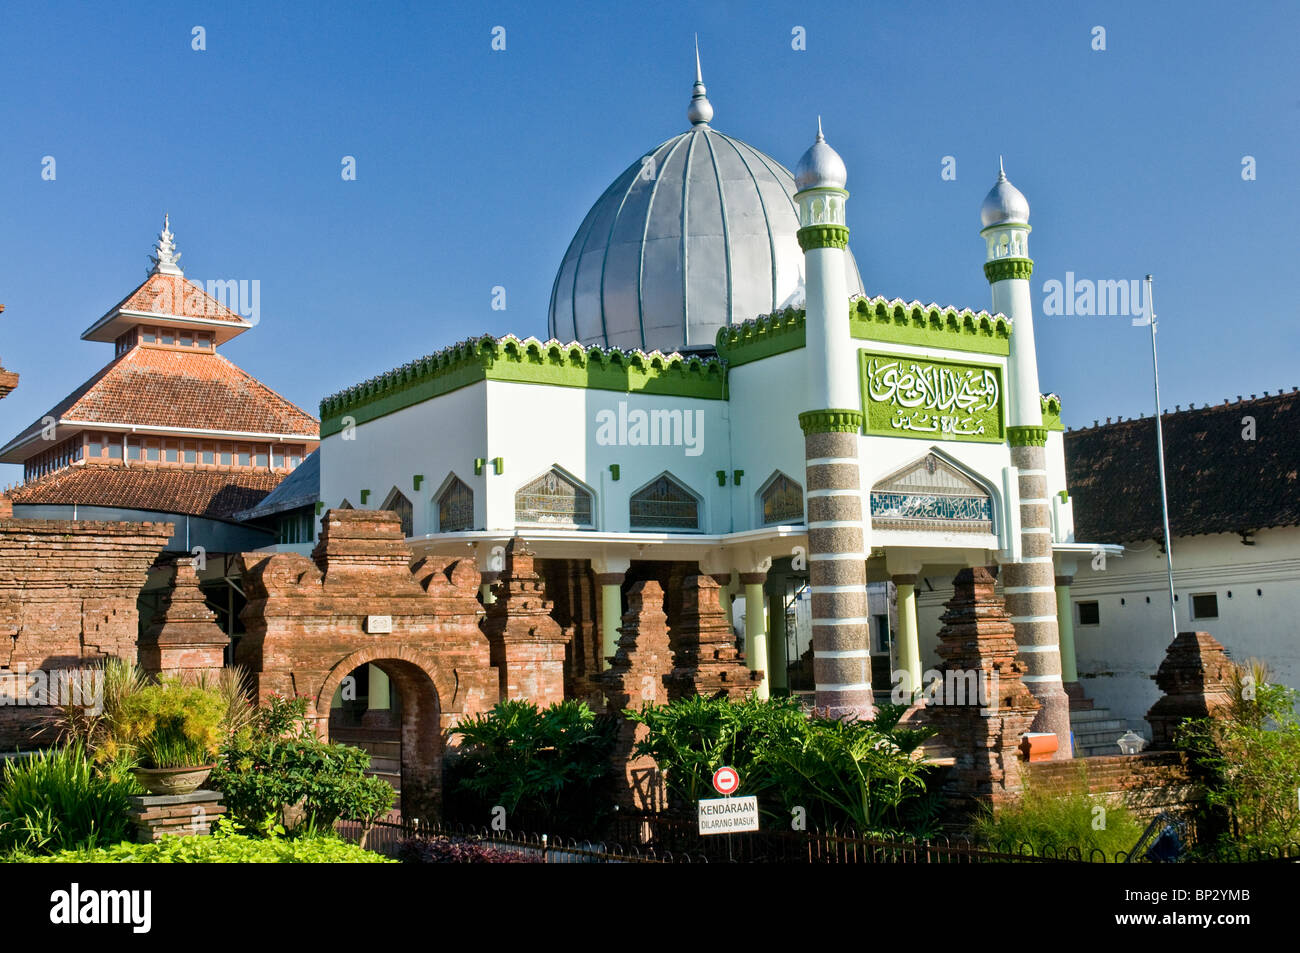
(385, 753)
(1095, 731)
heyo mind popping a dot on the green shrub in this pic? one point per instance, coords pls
(1249, 760)
(56, 799)
(544, 766)
(1054, 822)
(172, 725)
(858, 774)
(224, 847)
(277, 760)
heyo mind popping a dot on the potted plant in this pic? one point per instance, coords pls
(175, 730)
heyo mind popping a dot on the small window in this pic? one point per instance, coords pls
(207, 457)
(259, 459)
(225, 458)
(147, 335)
(883, 635)
(187, 339)
(151, 453)
(204, 339)
(191, 455)
(295, 458)
(243, 458)
(133, 450)
(172, 455)
(168, 337)
(1205, 605)
(115, 451)
(96, 447)
(1089, 613)
(277, 459)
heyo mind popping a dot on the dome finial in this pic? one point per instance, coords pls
(821, 166)
(1005, 204)
(820, 137)
(700, 111)
(165, 255)
(1002, 173)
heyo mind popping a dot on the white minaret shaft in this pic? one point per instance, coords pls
(837, 561)
(1029, 584)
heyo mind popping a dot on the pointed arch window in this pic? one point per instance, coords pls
(399, 504)
(663, 503)
(781, 501)
(553, 499)
(456, 507)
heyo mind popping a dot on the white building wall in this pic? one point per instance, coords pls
(1261, 619)
(433, 439)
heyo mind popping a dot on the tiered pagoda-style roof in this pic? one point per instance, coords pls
(169, 424)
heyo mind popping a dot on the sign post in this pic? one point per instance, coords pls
(728, 815)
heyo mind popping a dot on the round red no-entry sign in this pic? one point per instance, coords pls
(726, 780)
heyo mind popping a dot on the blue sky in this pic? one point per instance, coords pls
(475, 167)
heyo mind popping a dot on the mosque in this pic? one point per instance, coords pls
(719, 390)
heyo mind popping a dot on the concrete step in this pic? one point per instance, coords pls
(1089, 715)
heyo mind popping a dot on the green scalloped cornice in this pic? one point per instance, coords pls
(877, 319)
(762, 337)
(835, 420)
(823, 236)
(1027, 436)
(527, 361)
(871, 319)
(1005, 268)
(1051, 405)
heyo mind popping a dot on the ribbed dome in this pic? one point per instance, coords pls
(698, 235)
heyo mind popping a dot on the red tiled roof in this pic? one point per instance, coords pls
(1218, 481)
(170, 489)
(172, 294)
(151, 386)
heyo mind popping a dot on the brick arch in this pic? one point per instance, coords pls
(415, 676)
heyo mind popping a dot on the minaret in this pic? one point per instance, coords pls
(837, 565)
(1029, 584)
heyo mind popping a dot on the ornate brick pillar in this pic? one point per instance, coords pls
(639, 676)
(707, 662)
(527, 644)
(985, 706)
(1195, 676)
(184, 639)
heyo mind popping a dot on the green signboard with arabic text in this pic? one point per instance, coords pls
(905, 396)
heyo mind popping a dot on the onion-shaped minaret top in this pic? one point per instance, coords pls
(1005, 204)
(821, 166)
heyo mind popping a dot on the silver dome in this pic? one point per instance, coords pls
(697, 235)
(821, 166)
(1005, 204)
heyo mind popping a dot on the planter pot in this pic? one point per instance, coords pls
(172, 780)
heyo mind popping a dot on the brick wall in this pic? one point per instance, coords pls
(68, 591)
(1149, 783)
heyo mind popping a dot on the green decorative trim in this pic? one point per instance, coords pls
(1027, 436)
(836, 420)
(498, 465)
(930, 399)
(417, 480)
(871, 319)
(722, 477)
(365, 495)
(762, 337)
(320, 505)
(1064, 495)
(526, 361)
(1051, 405)
(823, 236)
(479, 463)
(614, 472)
(736, 475)
(878, 319)
(1005, 268)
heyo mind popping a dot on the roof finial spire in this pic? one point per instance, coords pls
(820, 137)
(1002, 173)
(165, 255)
(700, 111)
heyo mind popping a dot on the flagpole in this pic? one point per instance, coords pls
(1160, 457)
